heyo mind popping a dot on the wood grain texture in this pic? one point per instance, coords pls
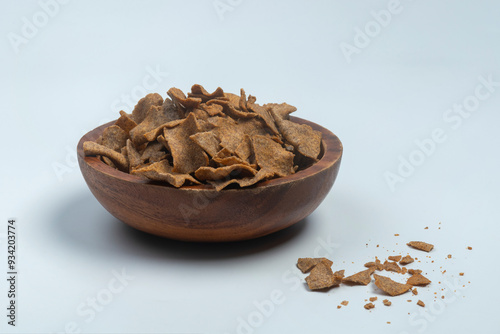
(200, 213)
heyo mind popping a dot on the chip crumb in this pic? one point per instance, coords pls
(426, 228)
(461, 274)
(369, 306)
(414, 291)
(372, 299)
(420, 303)
(414, 271)
(345, 302)
(389, 322)
(338, 306)
(409, 300)
(469, 248)
(420, 245)
(387, 302)
(404, 270)
(442, 297)
(449, 256)
(396, 235)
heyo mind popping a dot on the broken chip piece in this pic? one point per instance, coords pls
(418, 279)
(406, 260)
(362, 278)
(321, 277)
(421, 245)
(389, 286)
(306, 264)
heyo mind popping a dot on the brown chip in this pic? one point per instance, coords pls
(125, 122)
(171, 111)
(420, 303)
(187, 155)
(395, 258)
(114, 137)
(225, 158)
(344, 302)
(361, 278)
(387, 302)
(245, 151)
(162, 171)
(229, 108)
(271, 156)
(207, 141)
(321, 277)
(378, 266)
(370, 264)
(372, 299)
(180, 99)
(282, 110)
(213, 109)
(199, 92)
(305, 264)
(153, 152)
(224, 173)
(265, 115)
(154, 118)
(392, 266)
(404, 270)
(369, 306)
(418, 279)
(414, 271)
(153, 134)
(406, 260)
(414, 291)
(92, 148)
(421, 245)
(389, 286)
(262, 174)
(134, 157)
(142, 107)
(305, 140)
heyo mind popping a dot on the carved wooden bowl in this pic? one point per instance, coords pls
(200, 213)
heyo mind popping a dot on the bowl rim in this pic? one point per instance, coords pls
(332, 154)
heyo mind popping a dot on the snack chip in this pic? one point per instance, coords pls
(392, 266)
(389, 286)
(394, 258)
(418, 279)
(321, 277)
(305, 264)
(421, 245)
(361, 278)
(212, 138)
(406, 260)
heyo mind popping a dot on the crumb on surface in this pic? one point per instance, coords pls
(387, 302)
(420, 303)
(369, 306)
(372, 299)
(345, 302)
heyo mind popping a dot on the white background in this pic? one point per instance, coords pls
(73, 72)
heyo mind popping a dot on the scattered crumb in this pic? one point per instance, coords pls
(377, 245)
(369, 306)
(469, 248)
(404, 270)
(420, 303)
(409, 300)
(426, 228)
(442, 297)
(461, 274)
(444, 271)
(338, 306)
(372, 299)
(345, 303)
(414, 291)
(386, 302)
(389, 322)
(449, 256)
(396, 235)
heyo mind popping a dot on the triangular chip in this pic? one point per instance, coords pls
(142, 107)
(361, 278)
(406, 260)
(207, 141)
(198, 91)
(245, 151)
(321, 277)
(306, 264)
(265, 116)
(282, 110)
(153, 134)
(305, 139)
(162, 171)
(418, 279)
(389, 286)
(134, 157)
(187, 155)
(271, 156)
(392, 266)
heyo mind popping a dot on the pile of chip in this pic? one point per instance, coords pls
(214, 138)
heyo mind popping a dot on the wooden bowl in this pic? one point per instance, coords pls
(200, 213)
